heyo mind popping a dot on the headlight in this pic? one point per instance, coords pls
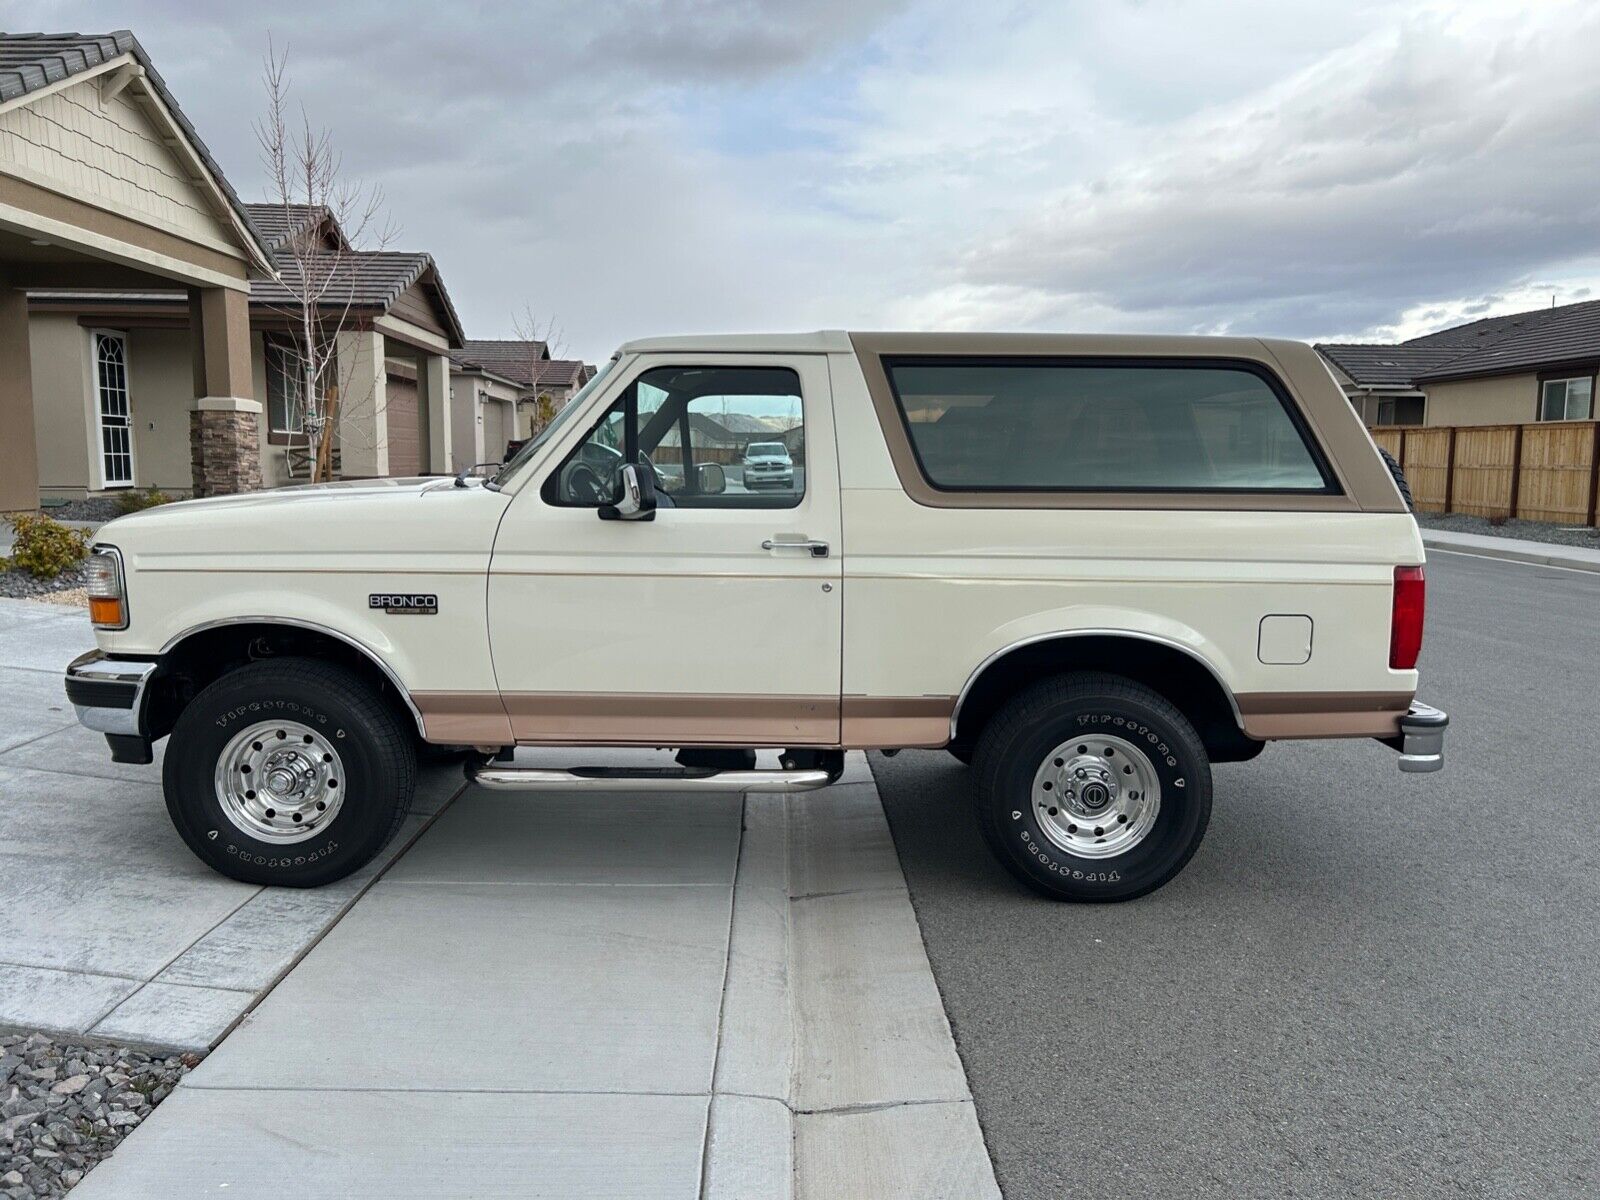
(108, 600)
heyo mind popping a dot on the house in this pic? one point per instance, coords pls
(1521, 367)
(126, 352)
(496, 387)
(105, 184)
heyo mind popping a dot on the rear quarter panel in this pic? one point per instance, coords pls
(931, 593)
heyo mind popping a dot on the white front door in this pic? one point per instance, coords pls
(115, 415)
(717, 623)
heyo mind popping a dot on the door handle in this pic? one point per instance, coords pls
(814, 548)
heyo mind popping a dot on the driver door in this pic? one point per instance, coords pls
(717, 622)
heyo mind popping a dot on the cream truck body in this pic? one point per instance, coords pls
(872, 608)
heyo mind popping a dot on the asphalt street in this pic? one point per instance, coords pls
(1365, 984)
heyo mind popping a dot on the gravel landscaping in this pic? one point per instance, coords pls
(97, 509)
(1531, 531)
(65, 1106)
(19, 585)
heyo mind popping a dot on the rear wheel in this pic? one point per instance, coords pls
(289, 772)
(1091, 787)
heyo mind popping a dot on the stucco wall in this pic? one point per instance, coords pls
(61, 404)
(160, 391)
(160, 394)
(467, 445)
(1500, 400)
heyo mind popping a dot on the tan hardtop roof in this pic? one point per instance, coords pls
(839, 341)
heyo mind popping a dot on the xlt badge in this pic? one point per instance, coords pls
(405, 603)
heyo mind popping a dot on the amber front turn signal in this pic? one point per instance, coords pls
(106, 612)
(108, 601)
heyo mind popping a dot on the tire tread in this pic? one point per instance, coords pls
(1011, 723)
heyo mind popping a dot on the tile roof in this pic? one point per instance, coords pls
(1527, 341)
(32, 61)
(1550, 337)
(510, 358)
(365, 279)
(563, 372)
(277, 223)
(1393, 366)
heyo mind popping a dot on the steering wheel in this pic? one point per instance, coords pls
(585, 485)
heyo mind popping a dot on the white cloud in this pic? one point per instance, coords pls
(642, 166)
(1431, 158)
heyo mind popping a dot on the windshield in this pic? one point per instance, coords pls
(766, 450)
(556, 422)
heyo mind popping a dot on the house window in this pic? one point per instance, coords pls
(286, 409)
(116, 421)
(1567, 399)
(1400, 410)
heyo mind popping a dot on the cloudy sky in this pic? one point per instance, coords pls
(1318, 170)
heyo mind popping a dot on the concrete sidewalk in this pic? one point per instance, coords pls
(109, 926)
(1547, 554)
(620, 996)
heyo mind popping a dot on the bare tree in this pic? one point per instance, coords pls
(322, 273)
(537, 337)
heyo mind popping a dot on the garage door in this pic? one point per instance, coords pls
(404, 446)
(494, 430)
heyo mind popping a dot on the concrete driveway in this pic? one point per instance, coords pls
(595, 996)
(618, 995)
(108, 925)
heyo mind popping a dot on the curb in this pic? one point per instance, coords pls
(1542, 554)
(836, 1073)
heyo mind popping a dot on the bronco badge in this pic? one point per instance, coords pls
(405, 603)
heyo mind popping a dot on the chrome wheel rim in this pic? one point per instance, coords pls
(280, 781)
(1097, 796)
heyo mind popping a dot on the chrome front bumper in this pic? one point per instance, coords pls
(108, 693)
(1421, 739)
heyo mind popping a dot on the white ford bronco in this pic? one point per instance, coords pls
(1088, 566)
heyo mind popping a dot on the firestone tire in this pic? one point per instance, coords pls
(1091, 788)
(290, 772)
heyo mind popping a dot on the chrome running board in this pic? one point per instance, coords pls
(612, 779)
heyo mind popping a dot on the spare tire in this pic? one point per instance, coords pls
(1399, 478)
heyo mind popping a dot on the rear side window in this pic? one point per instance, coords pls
(1103, 425)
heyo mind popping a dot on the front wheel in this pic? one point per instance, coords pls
(289, 772)
(1091, 787)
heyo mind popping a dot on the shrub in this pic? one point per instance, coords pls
(44, 547)
(133, 500)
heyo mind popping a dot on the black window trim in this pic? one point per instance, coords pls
(1330, 481)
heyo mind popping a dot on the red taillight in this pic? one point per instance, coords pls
(1405, 629)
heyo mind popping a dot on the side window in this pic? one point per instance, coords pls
(715, 437)
(1097, 425)
(285, 404)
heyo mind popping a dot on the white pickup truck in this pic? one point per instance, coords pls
(1088, 566)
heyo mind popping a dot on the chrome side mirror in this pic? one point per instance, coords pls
(712, 478)
(638, 501)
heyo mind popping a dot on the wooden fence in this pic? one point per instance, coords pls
(1549, 471)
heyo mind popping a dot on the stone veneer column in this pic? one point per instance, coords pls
(225, 420)
(225, 451)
